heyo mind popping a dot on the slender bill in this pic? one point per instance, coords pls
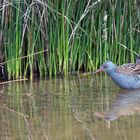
(99, 70)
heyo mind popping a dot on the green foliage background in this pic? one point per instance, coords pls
(77, 35)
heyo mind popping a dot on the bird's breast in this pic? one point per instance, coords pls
(126, 81)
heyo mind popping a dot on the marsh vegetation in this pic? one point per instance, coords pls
(53, 37)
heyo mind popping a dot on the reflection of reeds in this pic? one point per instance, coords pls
(72, 33)
(29, 135)
(61, 109)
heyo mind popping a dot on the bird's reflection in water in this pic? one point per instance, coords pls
(125, 104)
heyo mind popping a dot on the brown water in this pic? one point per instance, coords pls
(75, 108)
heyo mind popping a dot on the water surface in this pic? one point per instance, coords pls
(74, 108)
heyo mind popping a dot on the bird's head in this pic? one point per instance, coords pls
(107, 67)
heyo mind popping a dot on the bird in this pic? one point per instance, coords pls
(126, 76)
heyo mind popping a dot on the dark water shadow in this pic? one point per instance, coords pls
(126, 103)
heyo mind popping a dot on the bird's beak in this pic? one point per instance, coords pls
(99, 70)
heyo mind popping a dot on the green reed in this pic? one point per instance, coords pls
(78, 36)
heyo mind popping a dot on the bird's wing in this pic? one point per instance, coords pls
(129, 68)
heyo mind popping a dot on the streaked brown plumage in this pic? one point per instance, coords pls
(130, 68)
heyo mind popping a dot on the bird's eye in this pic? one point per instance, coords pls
(105, 67)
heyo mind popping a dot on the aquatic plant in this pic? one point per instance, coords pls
(72, 35)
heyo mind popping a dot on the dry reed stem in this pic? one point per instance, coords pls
(87, 9)
(23, 57)
(30, 137)
(12, 81)
(128, 49)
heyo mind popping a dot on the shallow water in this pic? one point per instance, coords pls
(74, 108)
